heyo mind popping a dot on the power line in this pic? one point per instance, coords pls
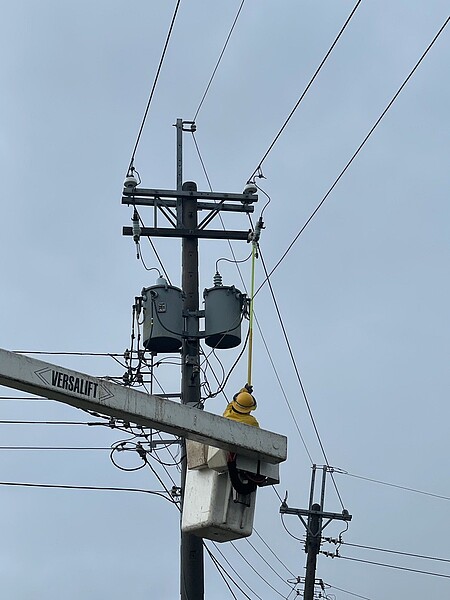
(155, 251)
(207, 179)
(91, 423)
(315, 211)
(446, 560)
(370, 562)
(234, 571)
(291, 412)
(394, 485)
(154, 84)
(267, 563)
(221, 570)
(257, 572)
(334, 587)
(68, 353)
(219, 60)
(256, 319)
(305, 91)
(297, 372)
(80, 487)
(26, 398)
(61, 448)
(273, 553)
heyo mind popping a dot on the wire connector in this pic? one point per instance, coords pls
(254, 235)
(136, 230)
(330, 554)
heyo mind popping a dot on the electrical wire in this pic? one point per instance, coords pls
(446, 560)
(267, 563)
(218, 61)
(155, 251)
(299, 379)
(291, 412)
(224, 572)
(237, 265)
(232, 260)
(293, 590)
(80, 487)
(341, 174)
(67, 353)
(233, 366)
(91, 423)
(219, 383)
(166, 465)
(221, 570)
(347, 592)
(25, 398)
(143, 454)
(175, 462)
(258, 168)
(272, 552)
(370, 562)
(256, 571)
(118, 448)
(256, 319)
(236, 573)
(133, 154)
(220, 216)
(143, 262)
(269, 200)
(155, 473)
(277, 494)
(394, 485)
(61, 448)
(288, 532)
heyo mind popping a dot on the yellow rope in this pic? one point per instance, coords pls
(250, 327)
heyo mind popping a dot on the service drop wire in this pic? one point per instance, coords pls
(250, 327)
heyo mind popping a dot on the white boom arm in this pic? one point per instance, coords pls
(87, 392)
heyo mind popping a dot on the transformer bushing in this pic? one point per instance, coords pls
(223, 316)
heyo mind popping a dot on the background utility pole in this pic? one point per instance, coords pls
(187, 202)
(314, 527)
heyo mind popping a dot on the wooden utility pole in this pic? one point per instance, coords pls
(187, 202)
(314, 527)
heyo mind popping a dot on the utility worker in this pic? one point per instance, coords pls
(241, 406)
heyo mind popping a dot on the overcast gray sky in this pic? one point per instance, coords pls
(364, 292)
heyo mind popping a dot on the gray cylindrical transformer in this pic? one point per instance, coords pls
(223, 316)
(163, 317)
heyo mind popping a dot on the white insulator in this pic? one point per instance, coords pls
(130, 181)
(250, 188)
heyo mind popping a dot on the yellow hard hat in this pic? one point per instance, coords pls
(244, 402)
